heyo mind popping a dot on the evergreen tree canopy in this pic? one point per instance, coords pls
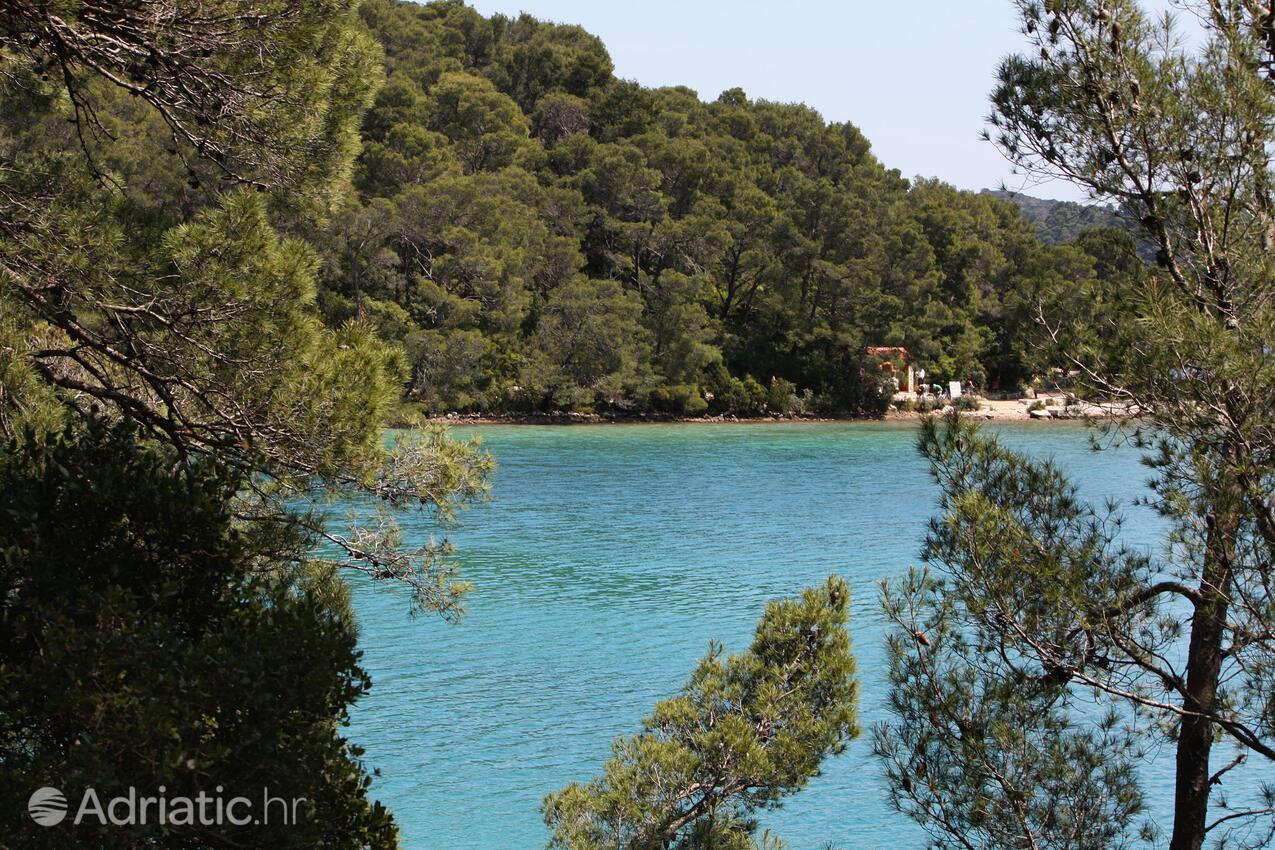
(142, 646)
(760, 244)
(746, 731)
(1040, 600)
(163, 165)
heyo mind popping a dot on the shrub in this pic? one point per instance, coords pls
(741, 397)
(782, 396)
(680, 399)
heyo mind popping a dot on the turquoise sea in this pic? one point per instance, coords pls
(605, 561)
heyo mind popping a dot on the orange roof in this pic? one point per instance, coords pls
(885, 351)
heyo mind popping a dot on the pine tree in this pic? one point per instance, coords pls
(746, 731)
(162, 164)
(1179, 137)
(142, 646)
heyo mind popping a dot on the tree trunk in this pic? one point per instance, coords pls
(1204, 664)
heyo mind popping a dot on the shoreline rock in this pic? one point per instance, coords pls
(1015, 410)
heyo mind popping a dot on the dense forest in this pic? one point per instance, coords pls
(528, 232)
(537, 234)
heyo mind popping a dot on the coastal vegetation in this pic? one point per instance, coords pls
(156, 187)
(539, 235)
(1059, 222)
(476, 215)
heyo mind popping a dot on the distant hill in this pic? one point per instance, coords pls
(1061, 221)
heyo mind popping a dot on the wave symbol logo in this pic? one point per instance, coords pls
(47, 806)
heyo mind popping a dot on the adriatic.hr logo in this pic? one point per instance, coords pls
(48, 807)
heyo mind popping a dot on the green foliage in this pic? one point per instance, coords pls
(1177, 132)
(732, 395)
(995, 738)
(746, 731)
(486, 129)
(500, 161)
(27, 403)
(142, 275)
(679, 399)
(781, 396)
(280, 109)
(504, 161)
(589, 337)
(141, 645)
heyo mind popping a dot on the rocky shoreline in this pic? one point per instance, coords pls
(1041, 409)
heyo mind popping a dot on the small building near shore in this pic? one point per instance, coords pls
(896, 361)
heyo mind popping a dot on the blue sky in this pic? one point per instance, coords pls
(914, 75)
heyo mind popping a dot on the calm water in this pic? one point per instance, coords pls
(608, 558)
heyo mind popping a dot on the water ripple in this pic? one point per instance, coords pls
(606, 561)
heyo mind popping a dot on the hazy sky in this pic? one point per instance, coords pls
(914, 75)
